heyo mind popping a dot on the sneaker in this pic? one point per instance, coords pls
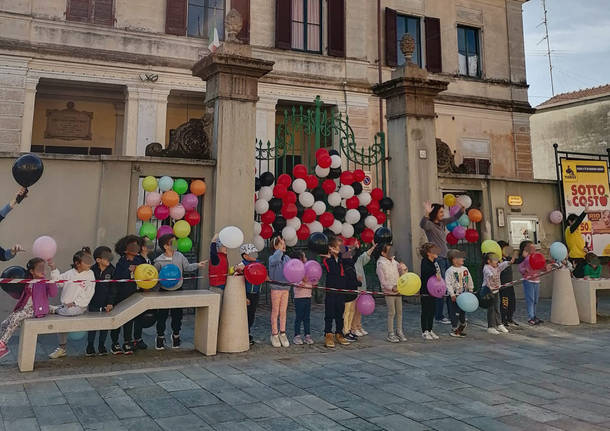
(3, 350)
(90, 351)
(455, 333)
(433, 335)
(363, 332)
(461, 328)
(426, 335)
(297, 340)
(392, 338)
(251, 338)
(101, 351)
(532, 322)
(341, 339)
(160, 344)
(176, 341)
(401, 336)
(275, 340)
(492, 331)
(116, 349)
(128, 348)
(444, 321)
(308, 339)
(329, 340)
(358, 333)
(60, 352)
(139, 345)
(284, 340)
(502, 329)
(351, 337)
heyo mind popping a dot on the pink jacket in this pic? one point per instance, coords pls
(527, 272)
(40, 292)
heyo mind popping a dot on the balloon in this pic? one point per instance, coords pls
(198, 187)
(255, 273)
(261, 206)
(365, 304)
(373, 207)
(346, 178)
(313, 271)
(558, 251)
(284, 180)
(381, 217)
(319, 207)
(352, 216)
(77, 336)
(459, 232)
(451, 240)
(279, 223)
(363, 213)
(303, 233)
(334, 199)
(289, 233)
(149, 230)
(182, 229)
(170, 271)
(290, 197)
(464, 200)
(377, 194)
(259, 242)
(464, 220)
(370, 221)
(454, 210)
(146, 275)
(452, 226)
(265, 193)
(329, 186)
(14, 289)
(312, 181)
(357, 188)
(365, 198)
(192, 218)
(294, 270)
(267, 178)
(190, 202)
(318, 243)
(147, 319)
(346, 192)
(339, 213)
(291, 242)
(309, 215)
(27, 170)
(386, 204)
(335, 161)
(257, 228)
(266, 231)
(322, 172)
(164, 230)
(475, 215)
(161, 212)
(324, 162)
(490, 246)
(294, 223)
(177, 212)
(165, 183)
(318, 193)
(449, 200)
(231, 237)
(336, 227)
(334, 173)
(367, 235)
(275, 205)
(180, 186)
(556, 217)
(472, 235)
(537, 261)
(268, 217)
(145, 213)
(327, 219)
(359, 175)
(306, 199)
(257, 184)
(289, 211)
(153, 199)
(315, 226)
(44, 247)
(184, 245)
(279, 191)
(352, 202)
(468, 302)
(347, 230)
(299, 171)
(149, 184)
(170, 198)
(383, 235)
(299, 185)
(436, 287)
(409, 284)
(322, 152)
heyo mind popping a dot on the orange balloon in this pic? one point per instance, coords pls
(170, 198)
(198, 187)
(145, 213)
(475, 215)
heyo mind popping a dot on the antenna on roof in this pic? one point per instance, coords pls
(548, 44)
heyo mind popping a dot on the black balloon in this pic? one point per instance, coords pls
(333, 152)
(334, 173)
(257, 184)
(329, 234)
(359, 227)
(318, 193)
(14, 290)
(318, 243)
(275, 205)
(279, 223)
(147, 319)
(386, 204)
(267, 178)
(383, 235)
(300, 210)
(363, 212)
(339, 213)
(357, 188)
(27, 169)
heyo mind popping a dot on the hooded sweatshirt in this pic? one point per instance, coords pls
(276, 269)
(180, 261)
(77, 292)
(387, 271)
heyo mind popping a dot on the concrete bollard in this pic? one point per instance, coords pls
(233, 327)
(563, 305)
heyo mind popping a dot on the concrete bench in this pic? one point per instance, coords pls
(206, 304)
(585, 292)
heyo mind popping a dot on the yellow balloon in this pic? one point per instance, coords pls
(409, 284)
(490, 246)
(182, 229)
(144, 273)
(449, 200)
(149, 184)
(231, 270)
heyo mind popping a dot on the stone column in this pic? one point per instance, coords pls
(27, 123)
(265, 127)
(145, 118)
(411, 141)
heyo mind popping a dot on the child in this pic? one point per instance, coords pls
(507, 293)
(334, 302)
(593, 269)
(170, 255)
(219, 265)
(491, 281)
(148, 247)
(362, 260)
(429, 268)
(458, 280)
(351, 283)
(75, 295)
(279, 292)
(34, 302)
(249, 255)
(129, 248)
(388, 272)
(302, 307)
(103, 298)
(531, 284)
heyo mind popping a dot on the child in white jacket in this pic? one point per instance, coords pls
(388, 272)
(75, 295)
(458, 280)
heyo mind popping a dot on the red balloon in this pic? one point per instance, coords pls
(329, 186)
(290, 197)
(309, 215)
(373, 207)
(381, 217)
(352, 203)
(322, 152)
(327, 219)
(347, 178)
(268, 217)
(266, 231)
(377, 194)
(289, 211)
(472, 235)
(367, 235)
(312, 181)
(537, 261)
(359, 175)
(299, 171)
(303, 232)
(280, 190)
(255, 273)
(284, 180)
(451, 240)
(192, 218)
(324, 162)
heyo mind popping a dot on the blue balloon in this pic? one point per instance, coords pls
(559, 251)
(166, 183)
(169, 271)
(464, 220)
(468, 302)
(452, 226)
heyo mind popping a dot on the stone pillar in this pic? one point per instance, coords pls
(265, 127)
(145, 118)
(119, 132)
(411, 141)
(27, 123)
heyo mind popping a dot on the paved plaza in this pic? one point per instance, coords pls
(548, 378)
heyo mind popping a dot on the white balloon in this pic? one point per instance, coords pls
(346, 192)
(306, 199)
(335, 161)
(322, 172)
(336, 227)
(294, 223)
(259, 243)
(334, 199)
(465, 201)
(315, 226)
(231, 237)
(364, 198)
(257, 228)
(344, 203)
(261, 206)
(319, 207)
(352, 216)
(370, 222)
(299, 186)
(265, 193)
(347, 230)
(292, 241)
(289, 233)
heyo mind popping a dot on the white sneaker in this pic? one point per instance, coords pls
(426, 335)
(433, 335)
(284, 340)
(492, 331)
(60, 352)
(444, 321)
(401, 336)
(392, 338)
(502, 329)
(358, 333)
(275, 341)
(364, 332)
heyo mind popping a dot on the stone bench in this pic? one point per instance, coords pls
(585, 292)
(206, 304)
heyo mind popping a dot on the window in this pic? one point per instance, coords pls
(408, 24)
(469, 51)
(306, 25)
(477, 156)
(99, 12)
(205, 18)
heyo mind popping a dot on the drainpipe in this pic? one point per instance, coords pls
(379, 63)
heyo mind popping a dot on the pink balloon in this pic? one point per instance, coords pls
(454, 210)
(294, 270)
(556, 217)
(161, 212)
(164, 230)
(459, 232)
(313, 271)
(177, 212)
(365, 304)
(153, 199)
(44, 247)
(189, 202)
(436, 287)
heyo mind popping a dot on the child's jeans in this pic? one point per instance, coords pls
(348, 316)
(64, 310)
(531, 291)
(12, 322)
(302, 310)
(456, 314)
(394, 303)
(493, 314)
(334, 307)
(279, 305)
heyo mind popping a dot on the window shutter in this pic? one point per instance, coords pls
(78, 10)
(434, 55)
(243, 7)
(391, 47)
(484, 166)
(103, 13)
(175, 17)
(283, 23)
(336, 28)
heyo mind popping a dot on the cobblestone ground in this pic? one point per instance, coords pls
(548, 377)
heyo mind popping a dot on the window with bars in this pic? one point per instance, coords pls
(205, 18)
(469, 51)
(100, 12)
(306, 25)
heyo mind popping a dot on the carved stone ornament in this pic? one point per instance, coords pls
(233, 25)
(445, 159)
(407, 46)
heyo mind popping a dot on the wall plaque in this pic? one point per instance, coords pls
(68, 124)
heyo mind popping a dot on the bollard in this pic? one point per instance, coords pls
(233, 327)
(563, 304)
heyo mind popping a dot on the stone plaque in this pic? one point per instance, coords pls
(68, 124)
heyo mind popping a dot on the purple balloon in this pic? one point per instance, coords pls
(459, 232)
(313, 271)
(436, 287)
(294, 271)
(164, 230)
(189, 202)
(365, 304)
(161, 212)
(454, 210)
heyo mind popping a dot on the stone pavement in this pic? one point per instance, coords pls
(543, 378)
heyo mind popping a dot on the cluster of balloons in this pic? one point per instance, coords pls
(165, 198)
(459, 229)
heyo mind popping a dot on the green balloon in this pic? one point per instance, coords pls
(185, 245)
(464, 220)
(181, 186)
(149, 230)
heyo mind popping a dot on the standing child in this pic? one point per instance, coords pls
(593, 268)
(388, 272)
(279, 292)
(302, 307)
(219, 266)
(334, 302)
(531, 282)
(508, 300)
(362, 260)
(249, 255)
(429, 268)
(458, 280)
(491, 281)
(103, 298)
(34, 302)
(351, 283)
(75, 295)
